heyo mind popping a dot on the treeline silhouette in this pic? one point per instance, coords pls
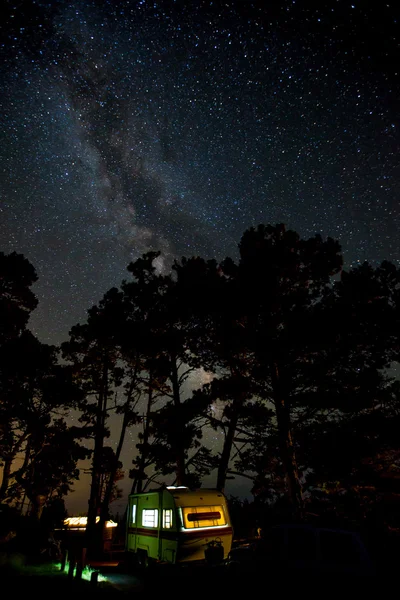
(296, 352)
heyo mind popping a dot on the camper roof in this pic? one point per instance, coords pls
(185, 492)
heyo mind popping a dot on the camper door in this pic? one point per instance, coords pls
(133, 523)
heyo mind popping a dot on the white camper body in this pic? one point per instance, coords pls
(176, 525)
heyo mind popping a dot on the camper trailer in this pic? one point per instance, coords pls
(178, 525)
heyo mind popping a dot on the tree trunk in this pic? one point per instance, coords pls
(6, 478)
(177, 426)
(37, 504)
(109, 487)
(137, 485)
(92, 540)
(8, 464)
(287, 450)
(228, 443)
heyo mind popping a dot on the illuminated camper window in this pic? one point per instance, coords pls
(203, 516)
(133, 514)
(167, 518)
(150, 517)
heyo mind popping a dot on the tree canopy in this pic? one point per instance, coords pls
(294, 353)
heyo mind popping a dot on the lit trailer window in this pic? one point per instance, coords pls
(195, 517)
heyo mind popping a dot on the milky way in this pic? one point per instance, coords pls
(129, 126)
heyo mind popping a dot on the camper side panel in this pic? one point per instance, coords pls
(152, 529)
(143, 523)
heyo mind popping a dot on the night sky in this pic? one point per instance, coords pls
(130, 126)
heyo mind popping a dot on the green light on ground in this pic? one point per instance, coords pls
(86, 573)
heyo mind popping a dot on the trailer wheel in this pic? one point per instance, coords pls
(131, 561)
(143, 559)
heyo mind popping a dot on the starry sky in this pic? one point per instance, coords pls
(171, 125)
